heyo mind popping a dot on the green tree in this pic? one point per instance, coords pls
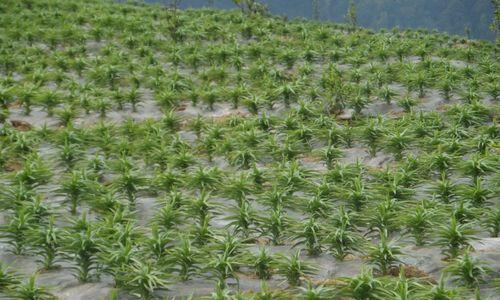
(351, 15)
(316, 9)
(495, 24)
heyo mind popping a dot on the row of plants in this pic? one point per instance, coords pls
(262, 193)
(253, 73)
(362, 286)
(109, 184)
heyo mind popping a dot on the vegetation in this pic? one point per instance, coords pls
(146, 149)
(476, 16)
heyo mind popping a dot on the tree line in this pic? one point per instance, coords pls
(471, 18)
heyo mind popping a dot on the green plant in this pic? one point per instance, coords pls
(483, 143)
(387, 94)
(31, 291)
(133, 97)
(205, 178)
(27, 96)
(242, 217)
(238, 188)
(358, 103)
(16, 195)
(492, 221)
(130, 182)
(470, 95)
(265, 293)
(74, 188)
(167, 180)
(210, 97)
(167, 217)
(47, 244)
(442, 162)
(143, 279)
(309, 235)
(444, 189)
(310, 292)
(397, 142)
(317, 206)
(476, 193)
(22, 143)
(364, 286)
(341, 241)
(418, 222)
(330, 155)
(372, 134)
(5, 97)
(167, 99)
(407, 103)
(356, 194)
(223, 266)
(118, 97)
(253, 103)
(102, 106)
(405, 288)
(34, 171)
(201, 207)
(158, 243)
(16, 232)
(49, 100)
(186, 257)
(419, 81)
(81, 246)
(263, 264)
(171, 121)
(4, 115)
(275, 224)
(385, 254)
(237, 94)
(464, 212)
(243, 158)
(203, 232)
(7, 279)
(439, 291)
(446, 87)
(66, 115)
(477, 166)
(454, 237)
(69, 154)
(39, 210)
(117, 259)
(294, 269)
(467, 271)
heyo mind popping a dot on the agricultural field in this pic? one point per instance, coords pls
(154, 153)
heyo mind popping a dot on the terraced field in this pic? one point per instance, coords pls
(154, 153)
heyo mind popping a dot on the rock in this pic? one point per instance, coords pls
(347, 114)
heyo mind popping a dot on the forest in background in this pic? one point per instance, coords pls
(452, 16)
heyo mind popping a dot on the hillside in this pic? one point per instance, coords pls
(451, 16)
(149, 153)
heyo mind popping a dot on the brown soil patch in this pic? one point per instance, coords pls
(225, 118)
(310, 159)
(262, 241)
(442, 108)
(329, 282)
(181, 107)
(411, 271)
(21, 125)
(13, 166)
(397, 114)
(349, 257)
